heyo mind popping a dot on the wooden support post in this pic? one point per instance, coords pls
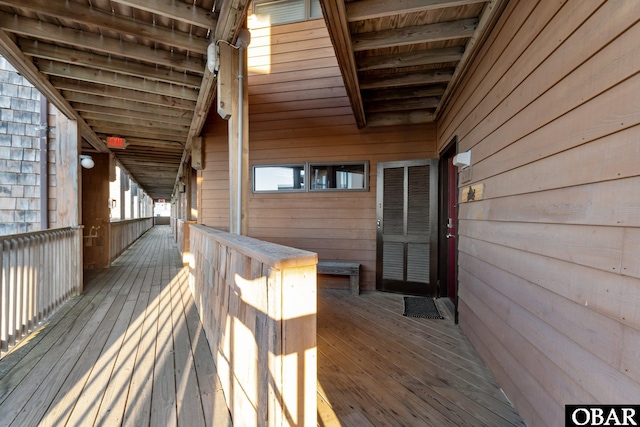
(238, 133)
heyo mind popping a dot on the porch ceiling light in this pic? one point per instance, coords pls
(86, 161)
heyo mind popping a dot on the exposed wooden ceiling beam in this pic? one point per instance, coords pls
(410, 59)
(418, 34)
(122, 128)
(178, 10)
(123, 104)
(109, 78)
(83, 39)
(118, 113)
(86, 15)
(41, 50)
(12, 53)
(151, 143)
(336, 20)
(135, 121)
(127, 94)
(403, 105)
(370, 9)
(400, 118)
(408, 79)
(403, 93)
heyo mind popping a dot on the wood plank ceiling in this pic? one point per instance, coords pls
(129, 68)
(400, 60)
(137, 68)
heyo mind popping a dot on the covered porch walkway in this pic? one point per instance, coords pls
(131, 351)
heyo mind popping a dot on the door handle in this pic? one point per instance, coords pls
(449, 235)
(379, 223)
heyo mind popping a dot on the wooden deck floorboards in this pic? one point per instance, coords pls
(379, 368)
(131, 351)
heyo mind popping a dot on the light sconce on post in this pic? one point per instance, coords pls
(213, 51)
(213, 58)
(244, 38)
(86, 161)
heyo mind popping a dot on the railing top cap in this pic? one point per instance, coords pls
(50, 231)
(277, 256)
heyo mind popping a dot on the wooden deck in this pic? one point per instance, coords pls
(130, 351)
(379, 368)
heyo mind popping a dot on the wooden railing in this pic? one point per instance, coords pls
(124, 233)
(40, 271)
(257, 303)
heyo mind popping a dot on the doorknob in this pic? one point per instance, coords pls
(379, 223)
(449, 235)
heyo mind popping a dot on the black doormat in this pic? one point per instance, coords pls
(421, 307)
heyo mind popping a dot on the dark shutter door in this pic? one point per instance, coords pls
(407, 232)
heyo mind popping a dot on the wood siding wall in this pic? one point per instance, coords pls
(299, 112)
(549, 281)
(95, 214)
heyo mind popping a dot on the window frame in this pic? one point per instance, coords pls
(270, 165)
(307, 11)
(364, 163)
(306, 188)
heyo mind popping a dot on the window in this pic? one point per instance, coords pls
(270, 12)
(278, 178)
(323, 176)
(338, 176)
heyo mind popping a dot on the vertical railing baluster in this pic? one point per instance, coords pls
(13, 299)
(4, 295)
(24, 291)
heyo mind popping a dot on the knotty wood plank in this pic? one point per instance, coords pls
(372, 351)
(136, 277)
(80, 396)
(49, 345)
(163, 398)
(112, 407)
(359, 363)
(28, 408)
(344, 394)
(189, 403)
(214, 406)
(138, 406)
(457, 371)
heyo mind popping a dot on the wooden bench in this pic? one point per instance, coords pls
(342, 268)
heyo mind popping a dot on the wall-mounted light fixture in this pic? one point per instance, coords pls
(213, 51)
(86, 161)
(244, 38)
(462, 160)
(213, 58)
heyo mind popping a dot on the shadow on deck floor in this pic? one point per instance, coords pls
(131, 351)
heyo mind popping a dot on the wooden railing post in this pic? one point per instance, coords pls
(257, 302)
